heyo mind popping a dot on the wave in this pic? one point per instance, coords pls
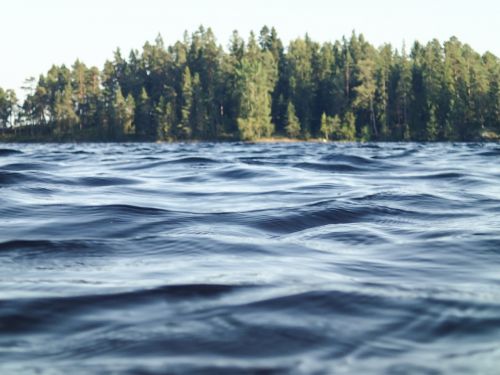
(351, 159)
(331, 167)
(15, 178)
(249, 258)
(104, 181)
(9, 151)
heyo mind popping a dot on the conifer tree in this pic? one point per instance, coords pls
(64, 114)
(143, 115)
(256, 77)
(164, 118)
(8, 103)
(198, 113)
(349, 127)
(194, 89)
(184, 128)
(292, 122)
(120, 116)
(365, 92)
(128, 120)
(326, 128)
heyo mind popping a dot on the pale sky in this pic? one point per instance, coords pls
(38, 33)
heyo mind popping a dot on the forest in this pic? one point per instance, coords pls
(257, 87)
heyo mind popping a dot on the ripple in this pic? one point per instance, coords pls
(28, 166)
(13, 178)
(105, 181)
(9, 151)
(331, 167)
(304, 258)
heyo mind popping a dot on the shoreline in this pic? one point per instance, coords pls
(485, 137)
(264, 141)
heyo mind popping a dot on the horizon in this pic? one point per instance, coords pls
(91, 38)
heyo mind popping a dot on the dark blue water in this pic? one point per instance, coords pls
(250, 259)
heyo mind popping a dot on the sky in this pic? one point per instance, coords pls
(35, 34)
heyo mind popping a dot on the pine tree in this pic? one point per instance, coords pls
(302, 85)
(164, 118)
(256, 78)
(349, 127)
(119, 116)
(198, 112)
(432, 125)
(403, 99)
(492, 99)
(64, 114)
(292, 122)
(184, 128)
(8, 103)
(326, 126)
(194, 89)
(384, 64)
(365, 92)
(143, 115)
(128, 120)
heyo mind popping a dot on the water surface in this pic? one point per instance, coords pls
(250, 259)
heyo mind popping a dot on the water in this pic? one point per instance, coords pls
(250, 259)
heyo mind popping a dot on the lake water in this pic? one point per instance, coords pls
(250, 258)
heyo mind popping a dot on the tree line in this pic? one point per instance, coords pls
(257, 88)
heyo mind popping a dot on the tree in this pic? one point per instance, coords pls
(8, 103)
(122, 121)
(332, 127)
(269, 41)
(185, 126)
(402, 96)
(302, 85)
(327, 126)
(198, 113)
(143, 115)
(432, 124)
(292, 122)
(65, 117)
(128, 119)
(164, 118)
(256, 78)
(384, 64)
(205, 59)
(194, 89)
(349, 127)
(365, 92)
(79, 86)
(492, 99)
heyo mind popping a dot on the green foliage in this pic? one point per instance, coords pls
(122, 116)
(365, 91)
(345, 90)
(432, 125)
(347, 131)
(164, 118)
(292, 122)
(256, 76)
(335, 129)
(366, 133)
(327, 126)
(8, 102)
(65, 117)
(302, 85)
(143, 114)
(128, 120)
(184, 128)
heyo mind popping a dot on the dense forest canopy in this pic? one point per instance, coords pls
(197, 90)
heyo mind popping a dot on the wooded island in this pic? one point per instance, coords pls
(197, 90)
